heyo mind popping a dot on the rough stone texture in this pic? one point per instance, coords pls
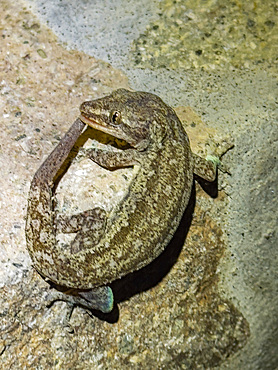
(181, 316)
(207, 35)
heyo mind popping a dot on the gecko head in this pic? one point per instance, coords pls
(139, 118)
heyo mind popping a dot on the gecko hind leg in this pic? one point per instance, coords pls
(89, 227)
(101, 299)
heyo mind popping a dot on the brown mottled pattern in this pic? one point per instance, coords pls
(142, 224)
(40, 222)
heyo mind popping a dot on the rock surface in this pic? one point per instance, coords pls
(208, 303)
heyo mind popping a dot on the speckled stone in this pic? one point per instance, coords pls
(208, 35)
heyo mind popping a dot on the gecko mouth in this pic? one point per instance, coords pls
(97, 125)
(112, 135)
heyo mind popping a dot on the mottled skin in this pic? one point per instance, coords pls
(107, 247)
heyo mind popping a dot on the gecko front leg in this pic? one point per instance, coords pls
(113, 159)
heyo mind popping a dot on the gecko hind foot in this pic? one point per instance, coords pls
(101, 299)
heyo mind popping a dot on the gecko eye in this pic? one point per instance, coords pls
(116, 117)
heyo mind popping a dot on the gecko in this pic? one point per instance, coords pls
(108, 246)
